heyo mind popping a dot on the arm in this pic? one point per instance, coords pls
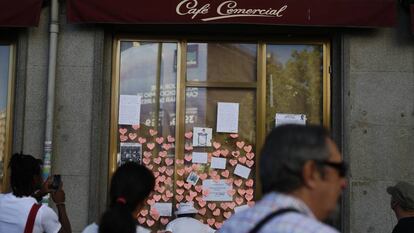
(59, 198)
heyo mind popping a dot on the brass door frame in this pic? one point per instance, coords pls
(9, 117)
(259, 86)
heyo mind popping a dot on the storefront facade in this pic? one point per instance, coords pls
(186, 75)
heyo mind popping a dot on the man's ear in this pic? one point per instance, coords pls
(310, 174)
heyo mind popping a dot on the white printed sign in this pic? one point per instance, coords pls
(217, 190)
(129, 109)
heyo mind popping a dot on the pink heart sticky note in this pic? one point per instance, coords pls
(231, 205)
(234, 135)
(216, 145)
(141, 220)
(164, 221)
(239, 200)
(170, 139)
(211, 206)
(223, 205)
(233, 162)
(142, 140)
(249, 163)
(188, 135)
(180, 171)
(165, 198)
(169, 193)
(150, 201)
(149, 166)
(211, 221)
(195, 166)
(123, 138)
(162, 169)
(147, 154)
(224, 152)
(227, 214)
(150, 222)
(240, 144)
(179, 191)
(249, 191)
(238, 182)
(250, 155)
(169, 172)
(123, 130)
(188, 147)
(198, 188)
(169, 161)
(249, 183)
(216, 153)
(189, 198)
(162, 154)
(202, 203)
(166, 146)
(225, 173)
(180, 183)
(157, 160)
(143, 212)
(188, 157)
(135, 127)
(132, 136)
(203, 176)
(229, 181)
(152, 132)
(231, 192)
(157, 197)
(159, 140)
(235, 153)
(247, 148)
(146, 160)
(179, 198)
(202, 211)
(179, 161)
(150, 145)
(216, 212)
(241, 191)
(218, 225)
(187, 186)
(242, 159)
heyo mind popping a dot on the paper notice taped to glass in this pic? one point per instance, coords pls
(286, 118)
(129, 109)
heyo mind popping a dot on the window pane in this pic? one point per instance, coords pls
(148, 70)
(4, 90)
(221, 62)
(294, 82)
(236, 149)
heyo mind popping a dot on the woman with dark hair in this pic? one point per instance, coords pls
(20, 210)
(131, 185)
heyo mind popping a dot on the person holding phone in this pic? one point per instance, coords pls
(20, 210)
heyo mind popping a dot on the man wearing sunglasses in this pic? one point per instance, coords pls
(302, 176)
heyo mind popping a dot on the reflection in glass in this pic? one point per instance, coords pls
(221, 62)
(295, 82)
(4, 91)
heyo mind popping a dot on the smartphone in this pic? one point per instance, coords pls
(56, 182)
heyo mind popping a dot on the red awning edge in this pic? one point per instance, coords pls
(333, 13)
(21, 13)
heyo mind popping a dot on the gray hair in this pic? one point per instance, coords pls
(286, 150)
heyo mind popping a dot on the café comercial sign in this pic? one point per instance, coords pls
(225, 10)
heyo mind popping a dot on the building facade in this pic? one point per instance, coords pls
(363, 85)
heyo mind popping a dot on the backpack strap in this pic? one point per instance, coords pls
(269, 217)
(31, 218)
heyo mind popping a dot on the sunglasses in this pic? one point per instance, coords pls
(341, 167)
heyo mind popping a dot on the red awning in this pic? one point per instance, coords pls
(341, 13)
(20, 13)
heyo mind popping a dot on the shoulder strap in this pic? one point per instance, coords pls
(31, 218)
(269, 217)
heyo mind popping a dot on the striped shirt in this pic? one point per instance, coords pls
(291, 222)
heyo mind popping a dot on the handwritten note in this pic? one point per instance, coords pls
(217, 190)
(165, 209)
(199, 157)
(129, 109)
(242, 171)
(284, 118)
(228, 117)
(218, 163)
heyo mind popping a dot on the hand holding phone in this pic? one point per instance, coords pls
(56, 182)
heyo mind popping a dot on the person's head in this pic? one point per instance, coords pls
(304, 161)
(25, 174)
(131, 185)
(402, 199)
